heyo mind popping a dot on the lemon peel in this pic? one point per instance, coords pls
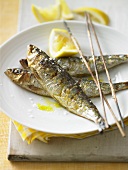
(66, 12)
(60, 44)
(96, 14)
(46, 14)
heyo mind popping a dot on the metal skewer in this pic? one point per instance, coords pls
(96, 71)
(107, 73)
(89, 69)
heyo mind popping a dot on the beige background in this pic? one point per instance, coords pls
(8, 27)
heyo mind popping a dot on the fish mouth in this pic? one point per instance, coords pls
(8, 72)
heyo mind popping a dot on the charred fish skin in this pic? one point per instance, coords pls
(61, 86)
(26, 80)
(76, 67)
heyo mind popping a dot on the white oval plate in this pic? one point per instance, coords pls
(17, 103)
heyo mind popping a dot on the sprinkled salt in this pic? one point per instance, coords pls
(30, 98)
(65, 113)
(32, 101)
(31, 116)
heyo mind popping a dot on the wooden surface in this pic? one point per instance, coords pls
(8, 27)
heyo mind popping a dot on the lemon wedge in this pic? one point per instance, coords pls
(66, 12)
(60, 44)
(96, 14)
(47, 14)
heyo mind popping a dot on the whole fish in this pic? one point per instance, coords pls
(27, 80)
(61, 86)
(75, 67)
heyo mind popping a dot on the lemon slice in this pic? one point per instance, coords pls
(47, 14)
(66, 13)
(96, 14)
(60, 44)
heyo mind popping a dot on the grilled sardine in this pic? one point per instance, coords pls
(27, 80)
(61, 86)
(75, 67)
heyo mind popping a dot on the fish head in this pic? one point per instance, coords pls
(12, 73)
(35, 56)
(16, 74)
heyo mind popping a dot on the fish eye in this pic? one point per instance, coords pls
(17, 71)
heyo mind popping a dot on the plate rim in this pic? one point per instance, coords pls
(58, 21)
(40, 25)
